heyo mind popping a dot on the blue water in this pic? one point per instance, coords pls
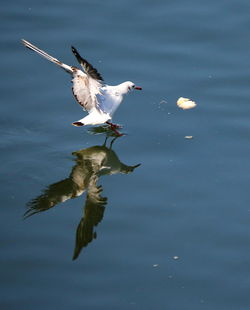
(171, 233)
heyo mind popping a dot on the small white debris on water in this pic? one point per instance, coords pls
(185, 103)
(176, 257)
(155, 265)
(188, 137)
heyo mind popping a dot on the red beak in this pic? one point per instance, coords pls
(138, 88)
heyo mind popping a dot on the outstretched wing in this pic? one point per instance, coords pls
(53, 195)
(87, 84)
(85, 90)
(87, 67)
(47, 56)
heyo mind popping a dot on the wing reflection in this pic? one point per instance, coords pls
(91, 163)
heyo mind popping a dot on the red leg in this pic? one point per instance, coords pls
(117, 132)
(114, 127)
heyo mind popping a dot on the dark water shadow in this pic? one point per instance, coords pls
(91, 164)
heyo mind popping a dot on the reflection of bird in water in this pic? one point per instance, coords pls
(91, 163)
(92, 216)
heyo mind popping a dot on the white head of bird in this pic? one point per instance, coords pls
(126, 87)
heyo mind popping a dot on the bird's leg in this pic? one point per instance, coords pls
(111, 143)
(116, 132)
(104, 144)
(113, 125)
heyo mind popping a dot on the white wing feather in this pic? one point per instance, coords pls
(85, 87)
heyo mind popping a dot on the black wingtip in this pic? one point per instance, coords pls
(86, 65)
(73, 49)
(75, 52)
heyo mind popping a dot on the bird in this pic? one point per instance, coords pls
(96, 97)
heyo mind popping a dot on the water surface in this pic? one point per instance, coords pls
(173, 233)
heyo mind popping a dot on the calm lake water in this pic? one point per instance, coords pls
(102, 231)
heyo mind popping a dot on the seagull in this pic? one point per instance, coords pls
(94, 96)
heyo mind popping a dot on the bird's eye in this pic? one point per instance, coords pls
(133, 86)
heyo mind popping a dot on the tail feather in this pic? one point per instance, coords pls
(67, 68)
